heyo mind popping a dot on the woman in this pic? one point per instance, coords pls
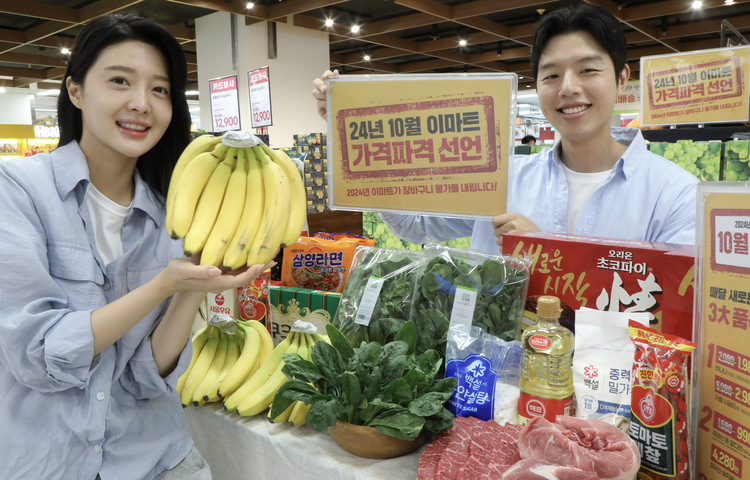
(96, 306)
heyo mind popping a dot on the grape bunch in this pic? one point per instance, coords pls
(701, 159)
(736, 158)
(462, 243)
(374, 228)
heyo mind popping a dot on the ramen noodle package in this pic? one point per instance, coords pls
(659, 401)
(321, 262)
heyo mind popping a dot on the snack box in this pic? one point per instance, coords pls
(609, 274)
(289, 304)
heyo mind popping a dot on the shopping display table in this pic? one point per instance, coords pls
(239, 448)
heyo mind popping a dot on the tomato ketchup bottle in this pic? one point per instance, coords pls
(547, 376)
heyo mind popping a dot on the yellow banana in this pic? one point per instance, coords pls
(283, 417)
(299, 410)
(229, 215)
(260, 399)
(298, 209)
(208, 207)
(242, 369)
(252, 213)
(199, 340)
(213, 371)
(200, 369)
(202, 144)
(263, 374)
(266, 342)
(189, 187)
(233, 353)
(276, 212)
(319, 337)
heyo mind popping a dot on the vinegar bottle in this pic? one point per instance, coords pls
(547, 376)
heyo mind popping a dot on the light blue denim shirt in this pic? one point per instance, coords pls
(66, 413)
(646, 197)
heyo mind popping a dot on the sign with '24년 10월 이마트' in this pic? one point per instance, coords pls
(435, 144)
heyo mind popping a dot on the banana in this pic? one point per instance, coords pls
(189, 186)
(217, 364)
(233, 353)
(260, 399)
(298, 210)
(202, 144)
(200, 369)
(199, 340)
(208, 208)
(242, 369)
(252, 213)
(266, 342)
(283, 417)
(299, 410)
(263, 374)
(276, 212)
(229, 215)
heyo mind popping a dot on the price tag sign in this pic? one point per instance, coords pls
(706, 86)
(225, 104)
(368, 301)
(721, 366)
(259, 87)
(463, 306)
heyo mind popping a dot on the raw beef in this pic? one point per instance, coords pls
(476, 465)
(590, 445)
(456, 453)
(541, 470)
(430, 456)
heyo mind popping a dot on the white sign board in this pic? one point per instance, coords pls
(225, 104)
(259, 87)
(630, 100)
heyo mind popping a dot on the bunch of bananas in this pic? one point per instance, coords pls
(257, 392)
(222, 362)
(234, 206)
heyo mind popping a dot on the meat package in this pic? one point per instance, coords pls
(569, 449)
(610, 274)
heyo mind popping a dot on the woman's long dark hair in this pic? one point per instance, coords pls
(154, 166)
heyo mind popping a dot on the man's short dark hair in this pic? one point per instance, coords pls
(584, 17)
(528, 139)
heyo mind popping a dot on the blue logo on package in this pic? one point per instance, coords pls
(474, 395)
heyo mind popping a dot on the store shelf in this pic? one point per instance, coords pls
(708, 133)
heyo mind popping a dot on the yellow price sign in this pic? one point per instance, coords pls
(707, 86)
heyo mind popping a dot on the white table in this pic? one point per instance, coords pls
(245, 448)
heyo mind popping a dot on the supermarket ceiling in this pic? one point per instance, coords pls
(394, 36)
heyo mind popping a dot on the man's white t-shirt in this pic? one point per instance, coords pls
(580, 188)
(107, 218)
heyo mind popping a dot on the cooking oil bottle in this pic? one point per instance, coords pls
(547, 377)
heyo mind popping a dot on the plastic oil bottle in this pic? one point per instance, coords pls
(547, 377)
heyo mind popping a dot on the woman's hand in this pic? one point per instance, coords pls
(509, 223)
(184, 274)
(320, 91)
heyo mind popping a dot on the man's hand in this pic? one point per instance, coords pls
(509, 223)
(320, 91)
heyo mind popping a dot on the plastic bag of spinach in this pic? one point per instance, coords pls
(493, 293)
(390, 277)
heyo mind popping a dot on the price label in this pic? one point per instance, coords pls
(259, 87)
(732, 429)
(368, 301)
(732, 391)
(731, 359)
(731, 249)
(463, 306)
(728, 462)
(225, 104)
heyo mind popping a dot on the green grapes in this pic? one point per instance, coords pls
(375, 229)
(462, 243)
(700, 159)
(736, 166)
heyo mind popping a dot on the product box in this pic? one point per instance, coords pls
(289, 304)
(608, 274)
(226, 302)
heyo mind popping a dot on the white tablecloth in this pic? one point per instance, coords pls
(240, 448)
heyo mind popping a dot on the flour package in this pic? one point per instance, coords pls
(602, 365)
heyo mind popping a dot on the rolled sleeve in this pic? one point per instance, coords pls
(69, 349)
(141, 377)
(423, 228)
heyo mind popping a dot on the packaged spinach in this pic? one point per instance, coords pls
(375, 302)
(488, 290)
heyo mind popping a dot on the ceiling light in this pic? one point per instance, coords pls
(367, 58)
(250, 5)
(329, 22)
(355, 28)
(65, 51)
(697, 4)
(728, 2)
(191, 92)
(528, 85)
(49, 93)
(462, 42)
(2, 89)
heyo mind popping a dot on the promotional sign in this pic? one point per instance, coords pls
(259, 87)
(706, 86)
(225, 104)
(434, 144)
(630, 100)
(721, 367)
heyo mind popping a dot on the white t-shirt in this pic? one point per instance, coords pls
(580, 188)
(107, 218)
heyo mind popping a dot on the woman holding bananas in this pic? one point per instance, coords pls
(96, 305)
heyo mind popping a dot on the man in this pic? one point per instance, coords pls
(528, 140)
(597, 180)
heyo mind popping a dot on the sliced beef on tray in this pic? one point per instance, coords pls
(541, 470)
(430, 456)
(479, 458)
(589, 445)
(456, 454)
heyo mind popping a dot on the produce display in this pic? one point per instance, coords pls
(736, 166)
(383, 386)
(701, 159)
(374, 228)
(234, 206)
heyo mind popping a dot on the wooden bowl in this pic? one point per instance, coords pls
(367, 442)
